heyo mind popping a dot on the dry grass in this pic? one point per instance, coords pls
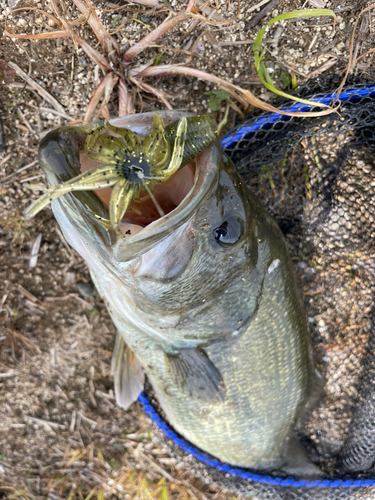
(61, 435)
(115, 66)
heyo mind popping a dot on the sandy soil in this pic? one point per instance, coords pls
(61, 435)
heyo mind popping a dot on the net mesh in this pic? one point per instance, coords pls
(316, 176)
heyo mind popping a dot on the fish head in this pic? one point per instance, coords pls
(196, 269)
(193, 272)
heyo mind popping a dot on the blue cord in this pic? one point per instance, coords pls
(252, 125)
(238, 471)
(246, 130)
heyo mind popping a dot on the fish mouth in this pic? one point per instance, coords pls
(166, 197)
(143, 224)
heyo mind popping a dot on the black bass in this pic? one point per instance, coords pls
(204, 298)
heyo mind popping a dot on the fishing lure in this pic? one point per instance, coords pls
(131, 166)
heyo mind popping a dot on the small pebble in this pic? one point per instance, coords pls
(86, 289)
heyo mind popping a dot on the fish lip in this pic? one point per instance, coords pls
(142, 124)
(205, 181)
(59, 158)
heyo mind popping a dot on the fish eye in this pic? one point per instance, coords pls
(229, 231)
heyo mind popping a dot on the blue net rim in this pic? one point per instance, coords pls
(239, 472)
(255, 124)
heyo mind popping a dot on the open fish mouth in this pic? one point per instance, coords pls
(170, 174)
(166, 197)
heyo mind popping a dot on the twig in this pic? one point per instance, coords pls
(22, 338)
(104, 395)
(168, 476)
(349, 66)
(11, 373)
(38, 176)
(103, 91)
(27, 294)
(57, 299)
(86, 419)
(2, 141)
(61, 392)
(125, 102)
(255, 20)
(157, 93)
(64, 242)
(159, 469)
(73, 421)
(83, 302)
(238, 42)
(147, 3)
(32, 164)
(106, 41)
(327, 65)
(46, 423)
(19, 85)
(5, 160)
(41, 91)
(313, 42)
(57, 113)
(22, 127)
(165, 26)
(26, 122)
(72, 68)
(257, 6)
(34, 308)
(35, 251)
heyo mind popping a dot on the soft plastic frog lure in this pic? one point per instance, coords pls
(130, 166)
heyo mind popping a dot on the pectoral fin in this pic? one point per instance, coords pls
(127, 373)
(196, 375)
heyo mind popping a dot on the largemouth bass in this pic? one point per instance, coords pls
(204, 299)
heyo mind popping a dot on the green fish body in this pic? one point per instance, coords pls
(205, 302)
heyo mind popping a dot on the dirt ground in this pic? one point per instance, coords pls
(61, 434)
